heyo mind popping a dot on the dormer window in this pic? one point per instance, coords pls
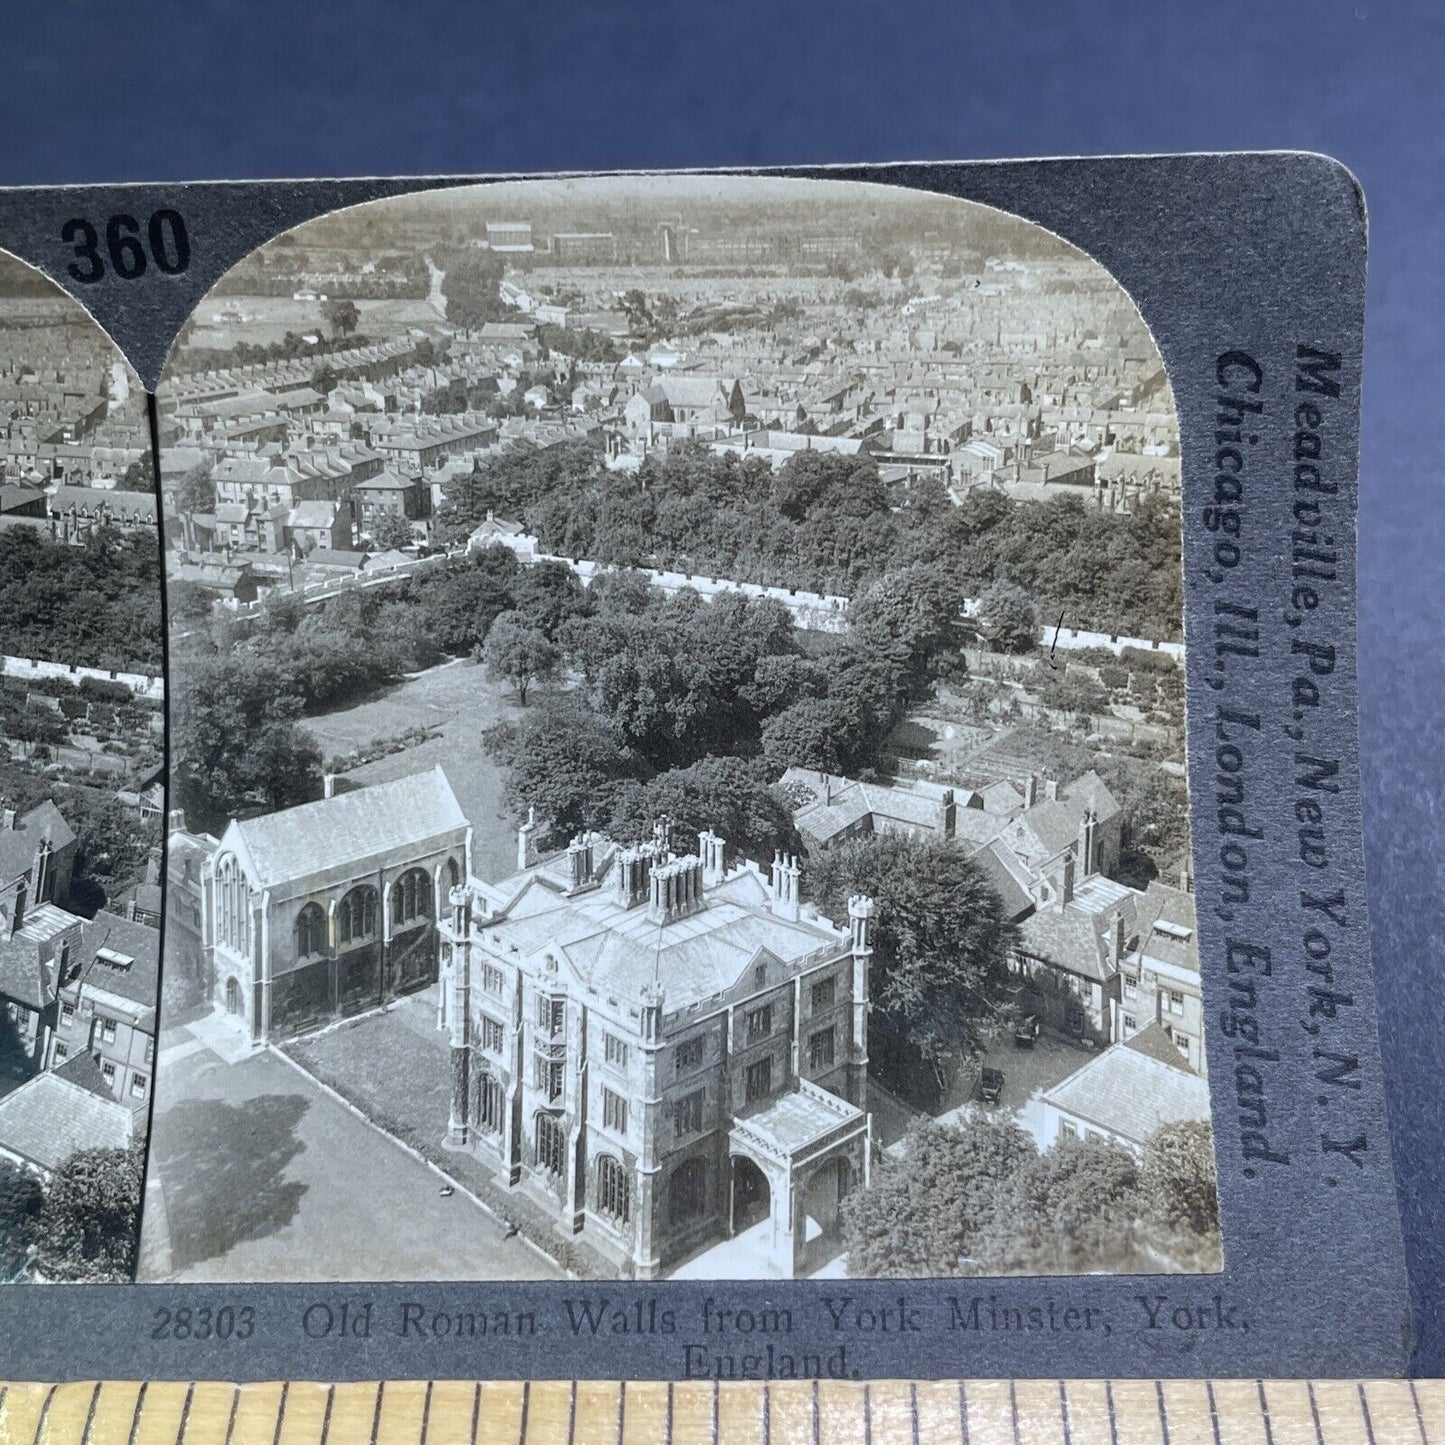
(121, 962)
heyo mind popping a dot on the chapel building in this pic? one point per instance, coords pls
(325, 910)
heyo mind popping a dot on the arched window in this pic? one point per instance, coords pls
(614, 1192)
(231, 905)
(356, 916)
(310, 931)
(410, 898)
(687, 1190)
(551, 1144)
(491, 1102)
(454, 873)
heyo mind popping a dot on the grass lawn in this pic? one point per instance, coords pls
(396, 1068)
(456, 698)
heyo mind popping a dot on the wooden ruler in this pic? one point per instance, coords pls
(951, 1412)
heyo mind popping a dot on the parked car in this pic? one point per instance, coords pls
(990, 1085)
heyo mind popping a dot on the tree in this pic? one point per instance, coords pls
(1179, 1183)
(1071, 1210)
(471, 286)
(21, 1199)
(727, 796)
(325, 379)
(342, 316)
(392, 532)
(925, 1212)
(90, 1222)
(815, 732)
(563, 760)
(941, 941)
(519, 653)
(1008, 618)
(196, 492)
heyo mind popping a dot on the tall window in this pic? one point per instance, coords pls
(759, 1080)
(551, 1014)
(614, 1050)
(493, 1035)
(687, 1113)
(550, 1078)
(824, 992)
(551, 1144)
(493, 980)
(490, 1104)
(613, 1191)
(356, 915)
(689, 1054)
(232, 908)
(410, 898)
(614, 1111)
(687, 1191)
(310, 931)
(760, 1023)
(820, 1049)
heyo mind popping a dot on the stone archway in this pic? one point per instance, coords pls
(752, 1194)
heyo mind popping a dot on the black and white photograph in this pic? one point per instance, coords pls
(677, 747)
(82, 790)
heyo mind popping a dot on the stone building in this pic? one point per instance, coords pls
(662, 1052)
(327, 909)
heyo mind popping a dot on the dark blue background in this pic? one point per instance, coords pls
(99, 92)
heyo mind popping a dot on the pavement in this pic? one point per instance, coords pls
(266, 1176)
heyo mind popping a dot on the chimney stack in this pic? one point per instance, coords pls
(713, 851)
(582, 858)
(1088, 842)
(785, 879)
(1051, 790)
(8, 819)
(676, 889)
(1031, 790)
(1066, 885)
(860, 923)
(527, 841)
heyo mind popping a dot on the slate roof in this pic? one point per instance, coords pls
(49, 1118)
(1134, 1089)
(349, 828)
(83, 1070)
(126, 938)
(27, 968)
(1075, 935)
(1176, 941)
(623, 951)
(18, 844)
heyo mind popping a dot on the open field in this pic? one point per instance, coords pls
(457, 698)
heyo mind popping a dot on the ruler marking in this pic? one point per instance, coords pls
(1213, 1410)
(962, 1411)
(1365, 1411)
(326, 1414)
(668, 1436)
(912, 1409)
(1419, 1417)
(1264, 1413)
(867, 1414)
(140, 1400)
(235, 1405)
(44, 1413)
(716, 1390)
(572, 1413)
(1113, 1419)
(1315, 1412)
(95, 1400)
(476, 1409)
(526, 1402)
(281, 1414)
(1064, 1413)
(1163, 1413)
(425, 1414)
(376, 1413)
(621, 1409)
(817, 1428)
(185, 1413)
(1013, 1410)
(767, 1415)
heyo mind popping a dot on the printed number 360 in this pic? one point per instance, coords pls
(166, 245)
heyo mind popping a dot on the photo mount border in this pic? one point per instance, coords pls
(1253, 254)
